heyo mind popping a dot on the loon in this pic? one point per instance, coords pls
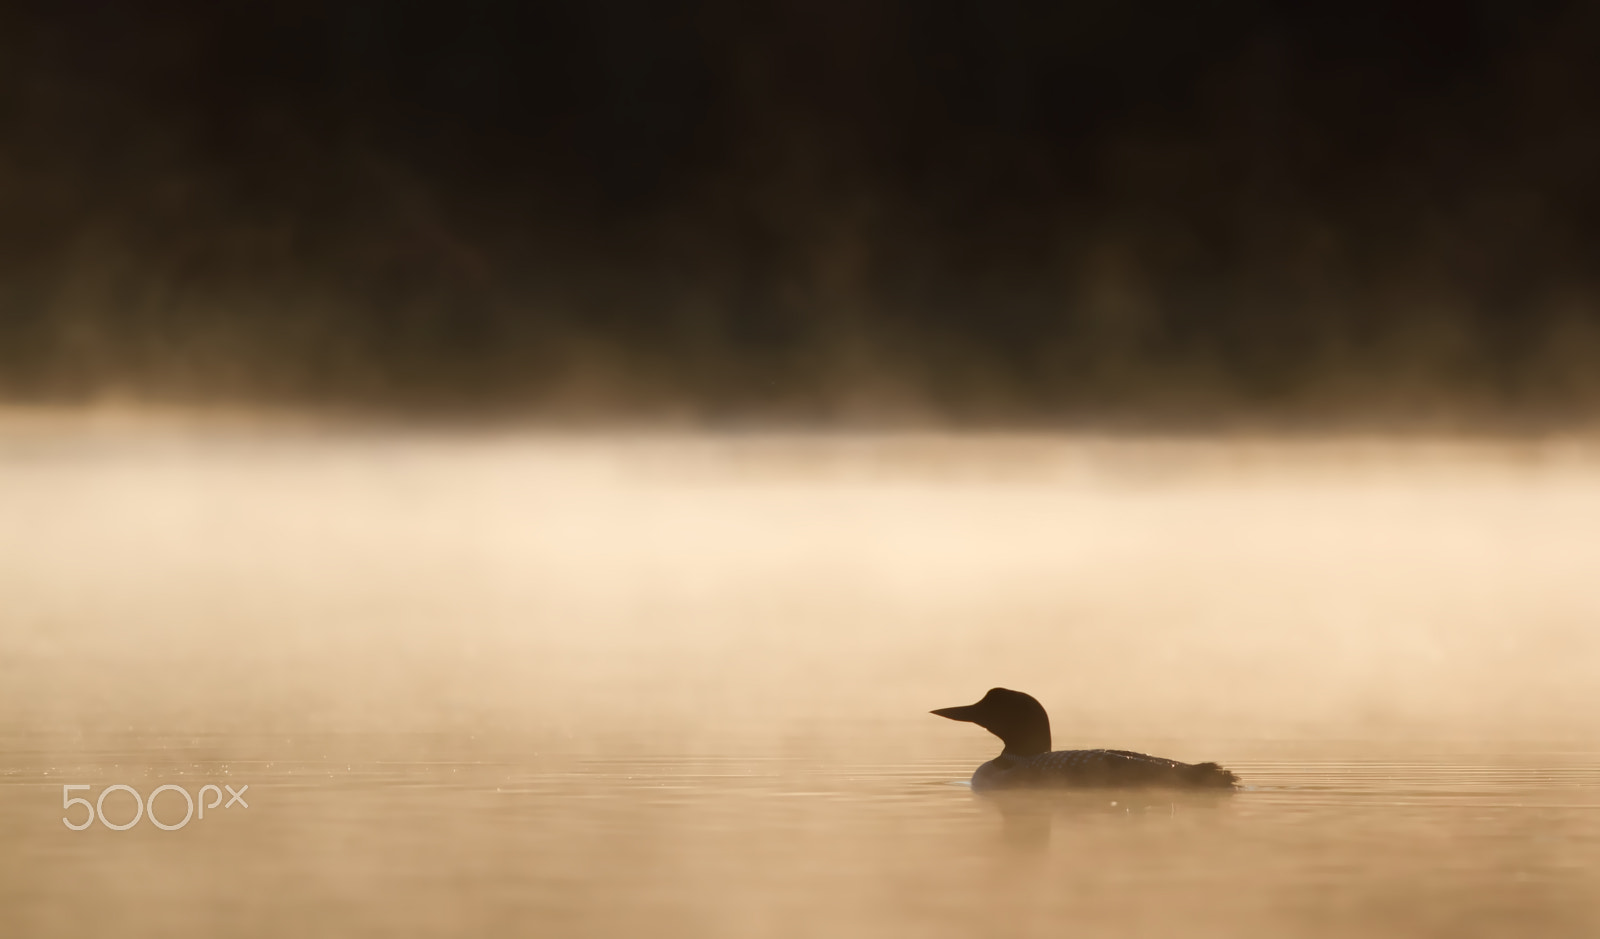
(1027, 761)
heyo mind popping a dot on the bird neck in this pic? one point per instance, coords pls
(1030, 742)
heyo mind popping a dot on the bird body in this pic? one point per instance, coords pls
(1028, 762)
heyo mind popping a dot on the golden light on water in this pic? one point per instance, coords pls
(594, 684)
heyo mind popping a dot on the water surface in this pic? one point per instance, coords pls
(677, 686)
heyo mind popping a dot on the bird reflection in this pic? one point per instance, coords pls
(1029, 817)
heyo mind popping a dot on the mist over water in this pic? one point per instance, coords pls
(594, 684)
(1209, 585)
(542, 463)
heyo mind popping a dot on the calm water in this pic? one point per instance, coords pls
(678, 687)
(559, 845)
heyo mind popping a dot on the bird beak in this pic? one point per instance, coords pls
(958, 714)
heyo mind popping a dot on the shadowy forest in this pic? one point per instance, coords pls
(996, 213)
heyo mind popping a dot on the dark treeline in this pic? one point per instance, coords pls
(808, 210)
